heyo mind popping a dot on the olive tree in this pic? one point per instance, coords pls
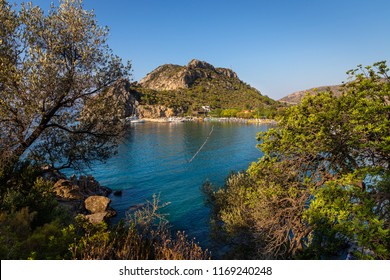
(56, 69)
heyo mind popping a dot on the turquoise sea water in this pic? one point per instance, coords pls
(154, 159)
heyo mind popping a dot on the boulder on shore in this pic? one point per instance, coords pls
(84, 196)
(99, 208)
(96, 218)
(65, 190)
(97, 204)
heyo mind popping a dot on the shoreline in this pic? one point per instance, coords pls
(208, 119)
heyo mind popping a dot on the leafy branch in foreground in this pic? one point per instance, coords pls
(54, 75)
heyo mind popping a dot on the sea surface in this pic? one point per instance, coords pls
(155, 158)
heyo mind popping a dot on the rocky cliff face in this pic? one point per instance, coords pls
(155, 111)
(121, 92)
(111, 105)
(173, 77)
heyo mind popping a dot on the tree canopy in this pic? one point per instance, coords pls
(322, 187)
(54, 75)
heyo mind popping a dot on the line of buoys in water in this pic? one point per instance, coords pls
(204, 143)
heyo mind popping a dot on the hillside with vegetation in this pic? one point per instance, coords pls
(186, 89)
(296, 97)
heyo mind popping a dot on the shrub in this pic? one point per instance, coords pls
(145, 235)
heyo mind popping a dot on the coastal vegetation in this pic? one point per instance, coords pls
(187, 103)
(322, 187)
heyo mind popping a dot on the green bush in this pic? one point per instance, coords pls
(229, 113)
(244, 115)
(20, 240)
(323, 182)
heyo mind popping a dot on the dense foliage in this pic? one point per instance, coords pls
(52, 66)
(322, 187)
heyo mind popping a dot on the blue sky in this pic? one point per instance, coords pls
(277, 46)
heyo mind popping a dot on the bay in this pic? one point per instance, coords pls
(155, 158)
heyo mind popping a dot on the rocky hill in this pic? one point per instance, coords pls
(188, 88)
(173, 77)
(296, 97)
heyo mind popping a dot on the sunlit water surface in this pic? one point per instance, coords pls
(154, 159)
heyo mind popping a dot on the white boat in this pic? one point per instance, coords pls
(175, 119)
(134, 119)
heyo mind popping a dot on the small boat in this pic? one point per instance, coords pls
(134, 119)
(175, 119)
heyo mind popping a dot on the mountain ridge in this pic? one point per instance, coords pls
(174, 77)
(296, 97)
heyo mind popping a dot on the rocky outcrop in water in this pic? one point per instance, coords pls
(89, 186)
(66, 191)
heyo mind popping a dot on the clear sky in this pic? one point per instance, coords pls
(277, 46)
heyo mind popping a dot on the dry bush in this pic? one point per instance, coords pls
(145, 235)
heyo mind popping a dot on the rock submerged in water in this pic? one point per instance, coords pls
(118, 193)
